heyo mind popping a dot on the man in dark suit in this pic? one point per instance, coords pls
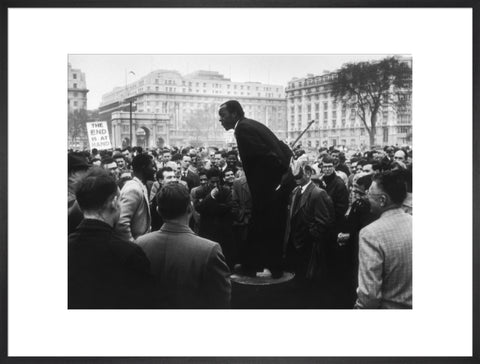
(190, 271)
(309, 229)
(265, 160)
(103, 271)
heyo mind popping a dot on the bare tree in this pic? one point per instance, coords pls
(366, 86)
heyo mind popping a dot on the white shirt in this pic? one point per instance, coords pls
(305, 187)
(235, 127)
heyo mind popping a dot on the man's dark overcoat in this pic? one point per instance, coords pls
(265, 160)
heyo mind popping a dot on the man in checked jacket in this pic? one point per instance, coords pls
(385, 247)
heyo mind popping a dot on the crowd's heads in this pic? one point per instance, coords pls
(166, 175)
(202, 174)
(304, 175)
(166, 155)
(232, 159)
(388, 189)
(119, 159)
(109, 164)
(214, 176)
(328, 166)
(230, 112)
(97, 192)
(400, 156)
(142, 166)
(173, 201)
(77, 163)
(186, 161)
(390, 151)
(229, 175)
(127, 154)
(367, 168)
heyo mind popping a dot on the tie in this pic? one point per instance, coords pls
(296, 199)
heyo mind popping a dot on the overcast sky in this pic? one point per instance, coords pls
(104, 72)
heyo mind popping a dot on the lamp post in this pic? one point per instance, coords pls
(131, 104)
(131, 124)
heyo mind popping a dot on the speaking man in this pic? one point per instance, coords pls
(265, 160)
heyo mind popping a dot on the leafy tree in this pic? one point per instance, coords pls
(77, 124)
(366, 86)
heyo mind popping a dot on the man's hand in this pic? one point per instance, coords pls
(342, 239)
(214, 192)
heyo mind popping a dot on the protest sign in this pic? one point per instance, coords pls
(98, 135)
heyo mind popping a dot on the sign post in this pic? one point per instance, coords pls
(98, 136)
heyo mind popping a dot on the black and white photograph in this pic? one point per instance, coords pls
(235, 184)
(240, 181)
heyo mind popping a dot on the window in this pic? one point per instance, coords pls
(325, 105)
(74, 76)
(75, 103)
(74, 85)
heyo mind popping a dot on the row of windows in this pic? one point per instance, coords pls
(216, 85)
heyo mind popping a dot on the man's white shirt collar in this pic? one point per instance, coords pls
(305, 187)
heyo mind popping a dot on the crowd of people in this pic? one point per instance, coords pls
(167, 227)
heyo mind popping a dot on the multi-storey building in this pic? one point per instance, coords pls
(190, 104)
(309, 98)
(77, 89)
(77, 101)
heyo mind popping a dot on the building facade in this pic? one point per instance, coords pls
(148, 130)
(191, 102)
(77, 109)
(336, 124)
(77, 89)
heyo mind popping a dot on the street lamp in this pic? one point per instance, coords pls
(131, 122)
(131, 105)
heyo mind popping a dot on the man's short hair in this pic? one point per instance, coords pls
(159, 173)
(173, 200)
(213, 172)
(233, 106)
(107, 160)
(228, 169)
(393, 183)
(140, 162)
(202, 172)
(94, 189)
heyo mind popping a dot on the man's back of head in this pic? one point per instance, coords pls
(95, 189)
(173, 201)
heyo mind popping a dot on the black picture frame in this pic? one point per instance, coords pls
(4, 200)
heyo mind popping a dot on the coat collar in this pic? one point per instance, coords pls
(171, 227)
